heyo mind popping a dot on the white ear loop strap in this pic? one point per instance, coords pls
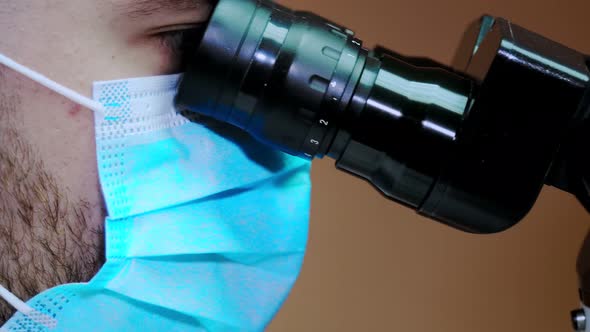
(15, 301)
(26, 310)
(48, 83)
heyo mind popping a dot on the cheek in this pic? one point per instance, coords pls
(61, 131)
(141, 60)
(169, 61)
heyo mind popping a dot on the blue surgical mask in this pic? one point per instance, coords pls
(206, 231)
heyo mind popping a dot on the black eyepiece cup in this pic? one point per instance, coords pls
(281, 75)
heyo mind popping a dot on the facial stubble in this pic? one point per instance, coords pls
(46, 237)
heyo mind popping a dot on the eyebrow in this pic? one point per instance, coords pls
(143, 8)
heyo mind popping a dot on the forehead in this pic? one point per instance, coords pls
(139, 8)
(131, 8)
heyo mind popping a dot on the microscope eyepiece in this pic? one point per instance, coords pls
(283, 76)
(308, 87)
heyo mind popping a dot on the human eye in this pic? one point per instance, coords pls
(179, 38)
(177, 41)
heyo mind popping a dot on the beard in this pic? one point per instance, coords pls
(45, 235)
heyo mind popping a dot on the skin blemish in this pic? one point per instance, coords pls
(74, 110)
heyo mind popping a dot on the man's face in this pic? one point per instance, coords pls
(51, 210)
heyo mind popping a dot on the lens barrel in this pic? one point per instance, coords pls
(470, 150)
(280, 75)
(307, 87)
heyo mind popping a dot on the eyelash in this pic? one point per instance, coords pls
(172, 40)
(180, 40)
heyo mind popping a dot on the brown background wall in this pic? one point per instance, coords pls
(375, 266)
